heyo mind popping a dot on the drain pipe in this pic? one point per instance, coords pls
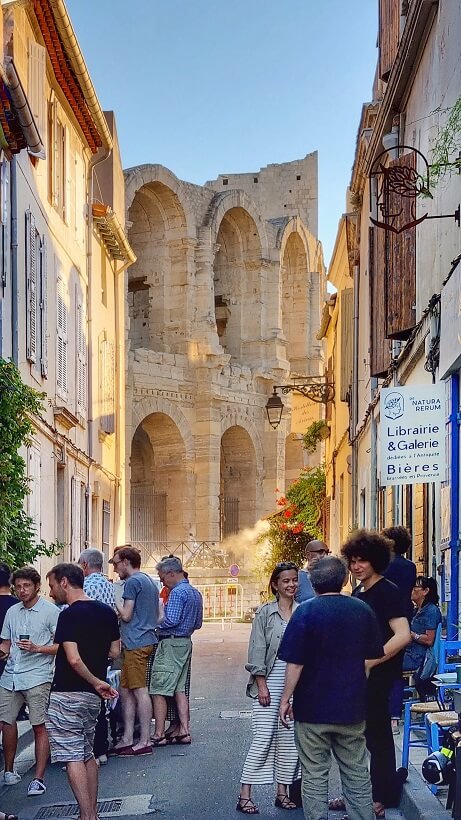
(354, 399)
(14, 261)
(93, 163)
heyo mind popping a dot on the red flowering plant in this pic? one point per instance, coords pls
(298, 519)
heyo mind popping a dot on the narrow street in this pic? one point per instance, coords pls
(197, 781)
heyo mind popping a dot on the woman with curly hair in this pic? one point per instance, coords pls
(368, 554)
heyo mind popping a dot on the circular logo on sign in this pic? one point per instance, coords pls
(234, 570)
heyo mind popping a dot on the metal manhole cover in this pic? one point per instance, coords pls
(71, 809)
(132, 804)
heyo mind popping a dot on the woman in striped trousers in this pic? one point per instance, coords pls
(272, 754)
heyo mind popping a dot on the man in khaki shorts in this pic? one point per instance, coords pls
(27, 637)
(139, 614)
(183, 615)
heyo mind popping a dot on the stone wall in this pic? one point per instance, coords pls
(224, 302)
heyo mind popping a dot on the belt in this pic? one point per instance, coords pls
(178, 637)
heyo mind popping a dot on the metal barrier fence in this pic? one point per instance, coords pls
(222, 602)
(200, 554)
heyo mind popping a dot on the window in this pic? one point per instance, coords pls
(107, 385)
(105, 526)
(57, 160)
(61, 342)
(36, 85)
(80, 342)
(255, 179)
(225, 182)
(298, 177)
(36, 297)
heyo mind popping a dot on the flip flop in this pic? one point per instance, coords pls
(160, 741)
(179, 740)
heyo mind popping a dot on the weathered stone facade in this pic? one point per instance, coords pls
(224, 302)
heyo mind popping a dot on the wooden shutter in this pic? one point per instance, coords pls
(80, 341)
(36, 85)
(389, 35)
(347, 336)
(401, 263)
(44, 308)
(62, 340)
(31, 287)
(380, 354)
(75, 518)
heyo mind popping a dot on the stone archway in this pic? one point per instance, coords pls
(237, 283)
(295, 306)
(162, 491)
(238, 481)
(157, 282)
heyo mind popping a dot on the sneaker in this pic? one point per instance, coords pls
(36, 787)
(11, 778)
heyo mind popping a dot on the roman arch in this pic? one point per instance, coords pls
(224, 302)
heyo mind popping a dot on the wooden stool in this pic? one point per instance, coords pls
(414, 714)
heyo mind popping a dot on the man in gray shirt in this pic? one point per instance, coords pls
(139, 614)
(27, 637)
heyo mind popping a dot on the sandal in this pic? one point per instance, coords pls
(282, 801)
(160, 741)
(180, 740)
(337, 804)
(246, 806)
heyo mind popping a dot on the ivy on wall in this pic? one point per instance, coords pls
(18, 402)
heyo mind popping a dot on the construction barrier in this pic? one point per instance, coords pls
(222, 602)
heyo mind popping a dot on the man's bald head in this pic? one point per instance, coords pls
(315, 550)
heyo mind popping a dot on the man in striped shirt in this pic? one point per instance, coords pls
(183, 615)
(96, 585)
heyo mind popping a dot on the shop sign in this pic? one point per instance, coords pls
(412, 433)
(304, 412)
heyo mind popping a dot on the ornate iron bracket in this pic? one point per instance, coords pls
(321, 392)
(391, 186)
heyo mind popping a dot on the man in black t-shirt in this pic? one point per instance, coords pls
(87, 634)
(368, 554)
(326, 644)
(7, 600)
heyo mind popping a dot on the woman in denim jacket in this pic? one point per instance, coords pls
(272, 754)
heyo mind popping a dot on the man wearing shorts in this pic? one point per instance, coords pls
(139, 614)
(87, 635)
(183, 615)
(27, 637)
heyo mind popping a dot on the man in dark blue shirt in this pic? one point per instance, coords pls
(326, 645)
(400, 570)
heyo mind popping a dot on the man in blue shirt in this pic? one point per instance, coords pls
(139, 615)
(315, 550)
(326, 646)
(183, 615)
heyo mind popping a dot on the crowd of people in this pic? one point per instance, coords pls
(326, 675)
(62, 662)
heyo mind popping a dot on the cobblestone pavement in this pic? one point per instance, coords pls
(197, 781)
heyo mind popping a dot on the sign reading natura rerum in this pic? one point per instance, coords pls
(412, 433)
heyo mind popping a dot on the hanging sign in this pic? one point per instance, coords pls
(412, 434)
(304, 412)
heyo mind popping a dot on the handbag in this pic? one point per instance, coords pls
(428, 667)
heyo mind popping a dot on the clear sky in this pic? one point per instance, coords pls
(223, 86)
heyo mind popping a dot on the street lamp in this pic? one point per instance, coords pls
(318, 391)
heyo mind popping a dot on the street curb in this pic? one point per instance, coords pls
(418, 802)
